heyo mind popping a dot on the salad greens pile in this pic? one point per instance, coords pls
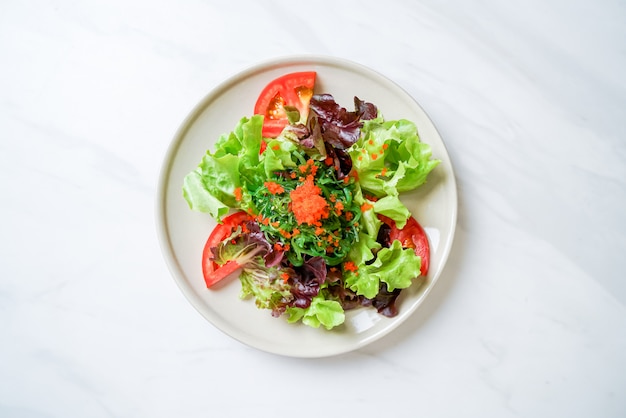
(314, 243)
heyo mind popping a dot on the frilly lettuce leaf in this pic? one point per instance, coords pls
(322, 311)
(234, 163)
(211, 186)
(390, 158)
(395, 266)
(362, 250)
(278, 156)
(391, 207)
(266, 286)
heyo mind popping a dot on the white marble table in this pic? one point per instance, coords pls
(528, 318)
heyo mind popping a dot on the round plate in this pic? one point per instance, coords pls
(183, 232)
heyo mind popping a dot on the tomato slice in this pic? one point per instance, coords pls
(293, 89)
(212, 271)
(411, 236)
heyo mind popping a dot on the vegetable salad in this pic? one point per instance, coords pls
(309, 213)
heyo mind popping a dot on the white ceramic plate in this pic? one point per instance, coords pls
(183, 232)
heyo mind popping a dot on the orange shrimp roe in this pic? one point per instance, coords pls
(309, 166)
(350, 266)
(365, 207)
(238, 194)
(338, 208)
(307, 204)
(274, 188)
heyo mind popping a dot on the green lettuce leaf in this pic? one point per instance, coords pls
(391, 207)
(211, 187)
(322, 311)
(278, 156)
(199, 198)
(233, 165)
(361, 252)
(395, 266)
(390, 158)
(362, 282)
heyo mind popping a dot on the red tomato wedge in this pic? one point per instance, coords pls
(293, 89)
(411, 236)
(213, 272)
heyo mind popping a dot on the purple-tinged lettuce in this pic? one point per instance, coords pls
(338, 126)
